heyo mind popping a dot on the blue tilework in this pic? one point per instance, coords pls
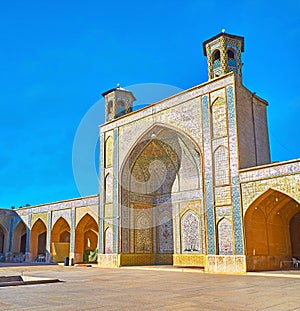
(101, 192)
(210, 214)
(28, 233)
(232, 62)
(236, 198)
(72, 235)
(10, 234)
(48, 243)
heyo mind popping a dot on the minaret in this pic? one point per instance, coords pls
(223, 53)
(118, 102)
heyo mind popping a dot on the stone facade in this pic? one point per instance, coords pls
(186, 181)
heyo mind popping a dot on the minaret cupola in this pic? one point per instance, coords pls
(223, 53)
(118, 102)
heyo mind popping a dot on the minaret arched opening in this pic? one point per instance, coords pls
(216, 58)
(230, 54)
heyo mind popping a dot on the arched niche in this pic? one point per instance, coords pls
(270, 231)
(86, 239)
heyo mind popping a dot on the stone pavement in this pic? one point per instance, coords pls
(143, 288)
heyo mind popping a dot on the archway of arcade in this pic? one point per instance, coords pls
(60, 240)
(86, 240)
(160, 180)
(272, 231)
(3, 240)
(19, 238)
(38, 236)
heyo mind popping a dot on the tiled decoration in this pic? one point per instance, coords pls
(109, 147)
(234, 173)
(190, 239)
(101, 191)
(221, 166)
(144, 234)
(72, 231)
(223, 65)
(208, 177)
(42, 216)
(66, 214)
(108, 241)
(165, 233)
(219, 122)
(225, 242)
(80, 212)
(222, 195)
(284, 177)
(108, 188)
(116, 191)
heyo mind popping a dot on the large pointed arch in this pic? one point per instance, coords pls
(38, 236)
(162, 164)
(272, 231)
(86, 239)
(19, 238)
(147, 135)
(4, 239)
(60, 240)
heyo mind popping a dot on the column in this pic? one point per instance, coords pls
(28, 238)
(11, 231)
(48, 241)
(72, 235)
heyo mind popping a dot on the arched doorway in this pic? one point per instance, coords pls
(38, 236)
(86, 240)
(19, 238)
(2, 240)
(60, 240)
(163, 170)
(272, 231)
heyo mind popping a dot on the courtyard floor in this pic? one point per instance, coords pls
(93, 288)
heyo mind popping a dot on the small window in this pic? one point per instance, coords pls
(110, 110)
(120, 108)
(216, 55)
(230, 54)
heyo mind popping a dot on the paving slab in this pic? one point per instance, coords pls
(94, 288)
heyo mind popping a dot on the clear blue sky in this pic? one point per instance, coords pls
(57, 57)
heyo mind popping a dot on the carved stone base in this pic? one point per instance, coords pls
(108, 260)
(226, 263)
(211, 263)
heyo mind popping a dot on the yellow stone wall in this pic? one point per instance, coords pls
(195, 260)
(60, 251)
(145, 259)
